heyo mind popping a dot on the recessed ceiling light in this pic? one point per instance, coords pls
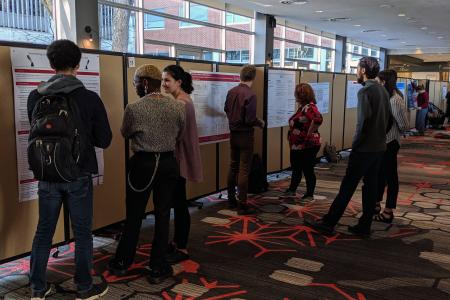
(319, 11)
(424, 28)
(357, 25)
(393, 39)
(370, 30)
(386, 6)
(401, 15)
(440, 37)
(384, 35)
(294, 2)
(341, 19)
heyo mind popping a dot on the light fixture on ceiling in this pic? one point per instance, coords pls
(340, 19)
(440, 37)
(299, 2)
(386, 6)
(393, 39)
(402, 15)
(261, 4)
(357, 25)
(424, 28)
(370, 30)
(403, 42)
(384, 35)
(319, 11)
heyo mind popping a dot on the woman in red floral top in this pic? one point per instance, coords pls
(304, 141)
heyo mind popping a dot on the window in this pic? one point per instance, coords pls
(112, 39)
(196, 12)
(154, 22)
(233, 19)
(365, 51)
(26, 21)
(238, 56)
(238, 42)
(211, 56)
(158, 50)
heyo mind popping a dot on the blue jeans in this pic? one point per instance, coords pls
(77, 195)
(421, 116)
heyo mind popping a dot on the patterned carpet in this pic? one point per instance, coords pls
(273, 255)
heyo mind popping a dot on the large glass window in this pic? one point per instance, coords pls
(28, 21)
(354, 54)
(295, 48)
(173, 28)
(117, 29)
(154, 22)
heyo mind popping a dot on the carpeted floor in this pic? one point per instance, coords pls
(273, 255)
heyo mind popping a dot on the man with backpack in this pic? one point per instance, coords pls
(67, 122)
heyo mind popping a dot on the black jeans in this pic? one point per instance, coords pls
(303, 161)
(182, 218)
(77, 195)
(388, 175)
(360, 165)
(142, 166)
(241, 143)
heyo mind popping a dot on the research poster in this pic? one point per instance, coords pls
(322, 92)
(30, 67)
(281, 99)
(209, 95)
(352, 94)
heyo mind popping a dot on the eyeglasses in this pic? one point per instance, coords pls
(136, 82)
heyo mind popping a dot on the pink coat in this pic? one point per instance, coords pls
(188, 148)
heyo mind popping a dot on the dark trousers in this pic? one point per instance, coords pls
(182, 218)
(77, 195)
(142, 166)
(303, 161)
(241, 158)
(388, 175)
(360, 165)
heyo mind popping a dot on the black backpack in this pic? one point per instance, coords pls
(55, 141)
(257, 181)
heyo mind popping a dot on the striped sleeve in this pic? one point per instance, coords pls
(399, 112)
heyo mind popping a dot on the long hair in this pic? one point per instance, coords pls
(305, 93)
(178, 73)
(390, 81)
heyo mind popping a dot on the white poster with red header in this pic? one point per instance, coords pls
(209, 95)
(30, 67)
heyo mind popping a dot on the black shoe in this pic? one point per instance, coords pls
(157, 275)
(320, 225)
(117, 268)
(97, 291)
(37, 295)
(306, 198)
(232, 204)
(176, 257)
(244, 210)
(359, 231)
(289, 193)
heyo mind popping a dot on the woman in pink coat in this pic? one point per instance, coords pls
(178, 83)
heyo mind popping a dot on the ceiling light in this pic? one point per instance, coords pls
(424, 28)
(440, 37)
(403, 42)
(401, 15)
(342, 19)
(370, 30)
(393, 39)
(294, 2)
(386, 6)
(261, 4)
(319, 11)
(384, 35)
(357, 25)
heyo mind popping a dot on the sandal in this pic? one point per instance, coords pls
(385, 217)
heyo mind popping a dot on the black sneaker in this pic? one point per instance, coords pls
(232, 204)
(176, 256)
(158, 275)
(37, 295)
(307, 198)
(117, 268)
(359, 231)
(97, 291)
(320, 225)
(289, 193)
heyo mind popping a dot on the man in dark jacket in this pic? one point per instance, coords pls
(64, 57)
(369, 143)
(240, 107)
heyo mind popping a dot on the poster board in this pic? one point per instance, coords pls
(352, 94)
(30, 67)
(322, 93)
(350, 112)
(25, 214)
(280, 97)
(337, 111)
(209, 96)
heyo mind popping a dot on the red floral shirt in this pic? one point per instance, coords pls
(299, 125)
